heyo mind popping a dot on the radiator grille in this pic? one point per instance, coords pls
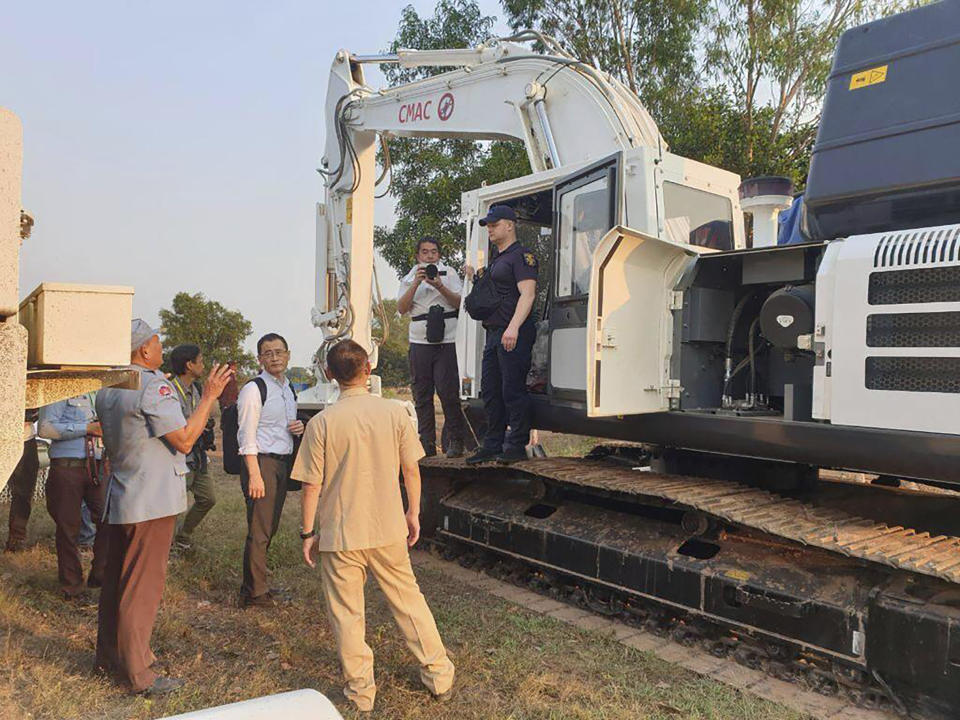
(918, 247)
(914, 374)
(914, 330)
(922, 285)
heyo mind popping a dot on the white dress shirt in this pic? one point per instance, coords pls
(263, 429)
(427, 295)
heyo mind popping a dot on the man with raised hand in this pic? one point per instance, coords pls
(146, 437)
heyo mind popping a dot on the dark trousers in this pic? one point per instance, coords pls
(434, 368)
(69, 485)
(504, 389)
(23, 483)
(263, 520)
(201, 485)
(133, 584)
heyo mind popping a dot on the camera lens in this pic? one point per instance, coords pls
(431, 271)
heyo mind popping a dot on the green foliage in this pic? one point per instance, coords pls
(393, 367)
(772, 58)
(301, 376)
(736, 84)
(218, 331)
(649, 45)
(428, 176)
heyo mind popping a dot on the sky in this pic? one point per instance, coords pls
(173, 146)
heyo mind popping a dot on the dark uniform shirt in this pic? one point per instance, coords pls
(508, 268)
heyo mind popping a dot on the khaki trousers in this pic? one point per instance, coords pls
(344, 575)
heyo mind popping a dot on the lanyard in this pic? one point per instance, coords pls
(176, 381)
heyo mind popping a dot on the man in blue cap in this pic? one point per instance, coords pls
(511, 332)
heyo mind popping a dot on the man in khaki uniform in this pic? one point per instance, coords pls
(348, 463)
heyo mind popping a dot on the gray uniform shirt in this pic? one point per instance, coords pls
(146, 480)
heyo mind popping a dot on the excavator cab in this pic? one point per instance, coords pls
(612, 239)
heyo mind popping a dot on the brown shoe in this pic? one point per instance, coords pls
(267, 600)
(13, 546)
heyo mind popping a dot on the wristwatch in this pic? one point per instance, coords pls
(307, 535)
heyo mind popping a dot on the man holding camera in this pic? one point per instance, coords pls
(430, 292)
(186, 362)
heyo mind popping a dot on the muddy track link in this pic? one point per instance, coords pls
(749, 507)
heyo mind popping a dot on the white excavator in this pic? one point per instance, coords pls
(741, 384)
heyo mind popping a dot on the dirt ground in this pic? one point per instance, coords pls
(511, 663)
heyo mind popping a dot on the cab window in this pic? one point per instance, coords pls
(697, 217)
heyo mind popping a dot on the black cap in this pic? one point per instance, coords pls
(498, 212)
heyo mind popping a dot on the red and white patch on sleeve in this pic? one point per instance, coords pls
(165, 390)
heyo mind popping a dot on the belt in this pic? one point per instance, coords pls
(69, 462)
(276, 456)
(447, 315)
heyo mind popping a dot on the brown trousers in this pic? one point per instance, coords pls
(133, 584)
(344, 575)
(263, 521)
(68, 485)
(23, 483)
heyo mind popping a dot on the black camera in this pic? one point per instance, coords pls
(431, 271)
(208, 440)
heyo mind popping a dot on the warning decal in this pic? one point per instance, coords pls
(873, 76)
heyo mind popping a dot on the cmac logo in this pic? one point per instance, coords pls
(445, 108)
(416, 111)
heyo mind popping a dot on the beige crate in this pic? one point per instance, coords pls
(78, 325)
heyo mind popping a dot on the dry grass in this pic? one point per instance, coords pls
(511, 663)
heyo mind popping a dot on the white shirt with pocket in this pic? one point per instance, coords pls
(427, 296)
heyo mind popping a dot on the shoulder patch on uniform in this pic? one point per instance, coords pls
(529, 259)
(164, 390)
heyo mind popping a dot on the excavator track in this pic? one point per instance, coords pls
(749, 507)
(815, 584)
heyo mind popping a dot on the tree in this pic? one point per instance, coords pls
(428, 176)
(219, 332)
(301, 376)
(773, 58)
(392, 366)
(647, 44)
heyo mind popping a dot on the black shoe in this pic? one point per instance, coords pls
(80, 598)
(512, 455)
(482, 455)
(163, 685)
(444, 697)
(455, 449)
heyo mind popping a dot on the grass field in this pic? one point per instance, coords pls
(511, 663)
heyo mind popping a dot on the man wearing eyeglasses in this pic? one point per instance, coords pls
(265, 436)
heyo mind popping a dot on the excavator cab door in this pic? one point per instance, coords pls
(630, 330)
(585, 206)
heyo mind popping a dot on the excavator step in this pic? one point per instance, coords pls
(748, 507)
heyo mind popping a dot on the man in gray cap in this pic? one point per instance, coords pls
(146, 436)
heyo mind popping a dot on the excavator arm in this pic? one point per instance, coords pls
(565, 112)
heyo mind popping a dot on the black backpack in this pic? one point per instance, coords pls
(483, 300)
(230, 424)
